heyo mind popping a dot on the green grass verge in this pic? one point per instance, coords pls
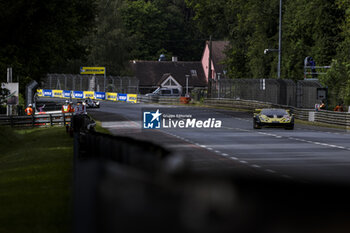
(99, 128)
(320, 124)
(36, 169)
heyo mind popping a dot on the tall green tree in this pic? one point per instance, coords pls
(310, 28)
(108, 45)
(40, 36)
(212, 17)
(160, 26)
(337, 78)
(182, 37)
(144, 29)
(254, 29)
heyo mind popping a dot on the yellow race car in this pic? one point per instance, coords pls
(273, 117)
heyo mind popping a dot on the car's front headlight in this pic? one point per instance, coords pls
(286, 118)
(263, 118)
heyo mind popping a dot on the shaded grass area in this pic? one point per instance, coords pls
(36, 168)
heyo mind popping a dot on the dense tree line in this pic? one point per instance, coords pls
(41, 36)
(142, 30)
(317, 28)
(60, 36)
(338, 77)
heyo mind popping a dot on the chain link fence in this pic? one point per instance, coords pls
(78, 82)
(301, 94)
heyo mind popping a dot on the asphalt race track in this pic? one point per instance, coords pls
(237, 179)
(305, 154)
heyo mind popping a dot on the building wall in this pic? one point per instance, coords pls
(205, 63)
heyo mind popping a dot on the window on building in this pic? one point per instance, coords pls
(172, 83)
(166, 92)
(168, 83)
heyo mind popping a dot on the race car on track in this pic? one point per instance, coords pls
(273, 117)
(89, 103)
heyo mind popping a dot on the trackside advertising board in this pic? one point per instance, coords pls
(111, 96)
(66, 94)
(122, 97)
(89, 94)
(92, 70)
(132, 98)
(100, 95)
(39, 92)
(78, 94)
(47, 93)
(57, 93)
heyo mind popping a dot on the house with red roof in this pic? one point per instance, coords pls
(161, 73)
(218, 49)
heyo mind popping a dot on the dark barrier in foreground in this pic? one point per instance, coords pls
(113, 174)
(127, 185)
(125, 151)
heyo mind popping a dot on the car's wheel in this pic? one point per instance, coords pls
(256, 125)
(290, 127)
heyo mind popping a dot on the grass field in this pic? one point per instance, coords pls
(36, 169)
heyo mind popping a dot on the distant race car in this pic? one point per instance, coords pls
(273, 117)
(89, 103)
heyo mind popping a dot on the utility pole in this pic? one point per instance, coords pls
(209, 68)
(279, 42)
(104, 81)
(187, 76)
(9, 80)
(218, 81)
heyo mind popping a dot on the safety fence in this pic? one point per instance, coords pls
(36, 120)
(323, 116)
(112, 96)
(91, 82)
(301, 94)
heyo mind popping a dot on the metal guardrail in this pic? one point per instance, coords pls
(302, 114)
(36, 120)
(338, 118)
(238, 103)
(323, 116)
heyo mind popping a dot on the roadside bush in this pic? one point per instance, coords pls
(337, 80)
